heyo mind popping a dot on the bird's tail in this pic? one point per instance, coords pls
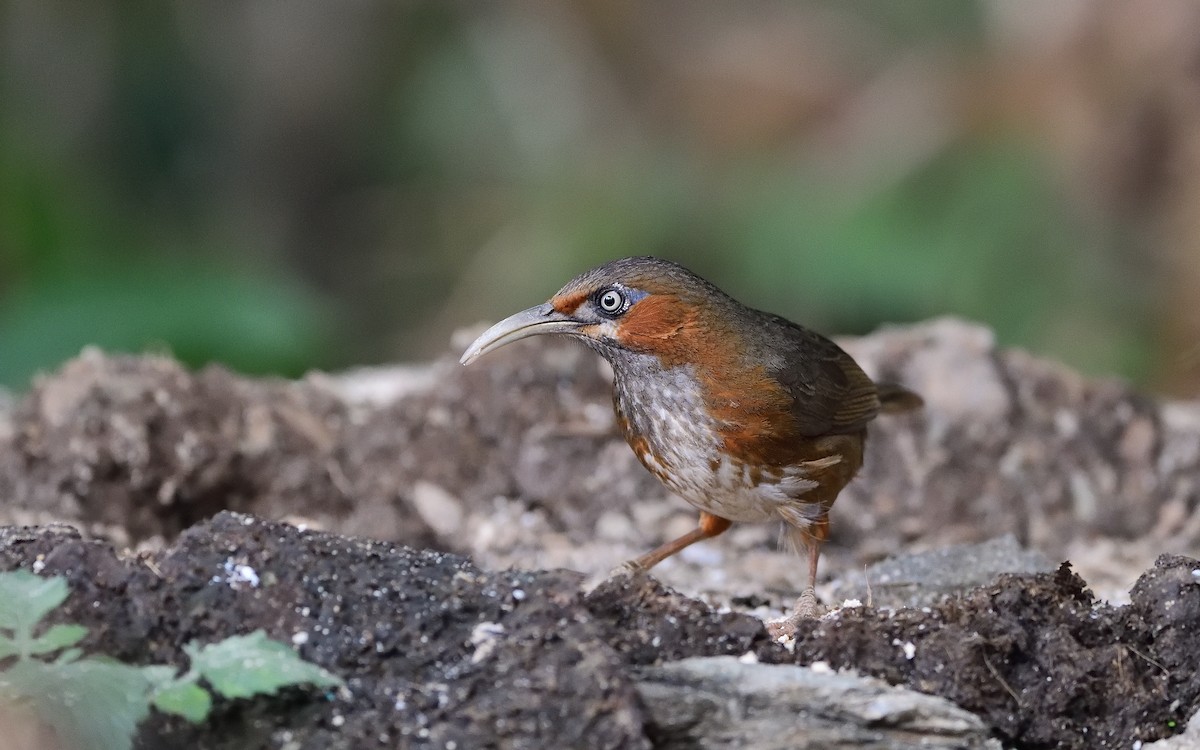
(894, 398)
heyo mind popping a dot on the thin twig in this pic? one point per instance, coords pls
(1147, 658)
(1000, 679)
(149, 563)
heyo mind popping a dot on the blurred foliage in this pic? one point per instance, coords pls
(905, 254)
(319, 185)
(78, 272)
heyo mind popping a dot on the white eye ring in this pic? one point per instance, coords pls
(612, 301)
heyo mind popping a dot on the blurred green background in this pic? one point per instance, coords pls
(280, 186)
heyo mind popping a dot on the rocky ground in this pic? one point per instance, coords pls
(502, 495)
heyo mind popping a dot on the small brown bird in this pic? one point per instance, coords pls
(746, 415)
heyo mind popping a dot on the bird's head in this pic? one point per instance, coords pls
(644, 305)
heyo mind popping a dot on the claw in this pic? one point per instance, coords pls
(807, 608)
(625, 572)
(627, 569)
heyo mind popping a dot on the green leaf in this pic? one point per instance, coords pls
(186, 699)
(71, 654)
(8, 647)
(247, 665)
(26, 598)
(90, 703)
(58, 636)
(160, 675)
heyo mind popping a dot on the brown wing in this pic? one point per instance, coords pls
(830, 392)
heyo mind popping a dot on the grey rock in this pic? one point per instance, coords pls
(721, 702)
(923, 578)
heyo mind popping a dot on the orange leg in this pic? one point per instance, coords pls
(814, 537)
(708, 527)
(811, 537)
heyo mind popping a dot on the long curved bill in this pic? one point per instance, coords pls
(536, 320)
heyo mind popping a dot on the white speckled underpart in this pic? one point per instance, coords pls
(666, 408)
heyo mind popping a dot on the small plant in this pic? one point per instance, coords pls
(97, 702)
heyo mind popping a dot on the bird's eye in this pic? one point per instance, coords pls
(611, 301)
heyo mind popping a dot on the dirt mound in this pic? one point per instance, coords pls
(437, 652)
(1037, 657)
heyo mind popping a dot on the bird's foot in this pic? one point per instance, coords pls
(628, 571)
(807, 608)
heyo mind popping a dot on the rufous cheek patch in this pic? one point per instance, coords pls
(567, 304)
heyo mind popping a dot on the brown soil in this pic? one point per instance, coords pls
(438, 653)
(1038, 658)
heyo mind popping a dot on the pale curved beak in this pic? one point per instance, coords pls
(536, 320)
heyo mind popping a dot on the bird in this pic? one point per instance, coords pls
(744, 414)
